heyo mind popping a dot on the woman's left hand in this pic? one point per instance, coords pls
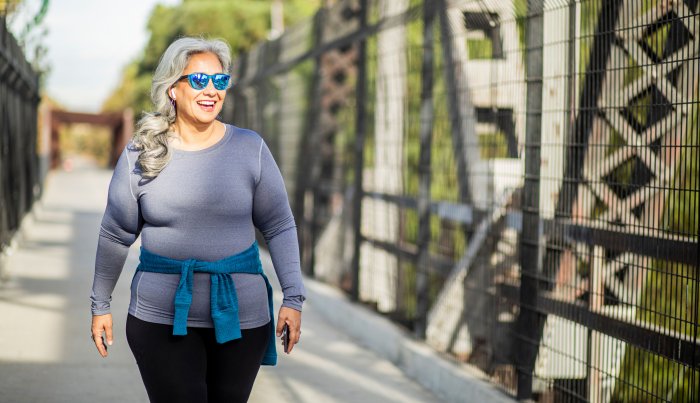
(292, 318)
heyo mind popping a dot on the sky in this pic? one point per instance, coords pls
(89, 44)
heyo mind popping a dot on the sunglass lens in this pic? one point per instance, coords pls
(221, 81)
(198, 81)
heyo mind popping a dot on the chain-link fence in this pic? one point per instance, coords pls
(19, 167)
(514, 181)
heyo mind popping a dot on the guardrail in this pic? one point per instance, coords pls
(19, 165)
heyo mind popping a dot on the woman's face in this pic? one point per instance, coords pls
(203, 106)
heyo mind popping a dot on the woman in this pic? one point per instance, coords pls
(200, 320)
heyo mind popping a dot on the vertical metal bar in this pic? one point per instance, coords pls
(3, 132)
(453, 89)
(238, 112)
(308, 167)
(361, 133)
(528, 323)
(426, 134)
(571, 68)
(694, 202)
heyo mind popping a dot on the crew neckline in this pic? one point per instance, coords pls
(228, 132)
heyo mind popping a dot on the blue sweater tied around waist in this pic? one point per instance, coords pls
(224, 301)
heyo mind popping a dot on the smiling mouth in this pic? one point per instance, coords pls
(207, 105)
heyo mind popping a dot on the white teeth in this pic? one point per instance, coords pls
(206, 103)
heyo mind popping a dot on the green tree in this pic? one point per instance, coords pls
(240, 23)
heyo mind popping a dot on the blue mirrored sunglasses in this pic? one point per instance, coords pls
(199, 81)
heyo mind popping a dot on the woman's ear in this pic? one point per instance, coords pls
(172, 93)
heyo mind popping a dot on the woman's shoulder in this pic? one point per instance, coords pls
(131, 148)
(245, 137)
(246, 140)
(131, 155)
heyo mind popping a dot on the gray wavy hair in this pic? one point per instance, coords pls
(153, 129)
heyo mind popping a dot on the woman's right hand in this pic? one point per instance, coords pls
(100, 324)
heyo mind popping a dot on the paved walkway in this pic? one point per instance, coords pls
(46, 354)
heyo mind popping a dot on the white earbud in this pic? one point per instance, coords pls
(172, 93)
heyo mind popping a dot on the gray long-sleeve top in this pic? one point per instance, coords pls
(204, 205)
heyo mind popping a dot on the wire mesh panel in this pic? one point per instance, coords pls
(516, 182)
(617, 286)
(19, 165)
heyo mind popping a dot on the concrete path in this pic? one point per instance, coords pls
(46, 354)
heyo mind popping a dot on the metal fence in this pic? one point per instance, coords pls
(19, 169)
(514, 181)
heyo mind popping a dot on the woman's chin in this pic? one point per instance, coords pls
(206, 117)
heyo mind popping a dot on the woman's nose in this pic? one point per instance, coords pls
(210, 90)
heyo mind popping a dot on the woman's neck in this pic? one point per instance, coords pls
(194, 137)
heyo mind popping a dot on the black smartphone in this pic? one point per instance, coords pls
(285, 338)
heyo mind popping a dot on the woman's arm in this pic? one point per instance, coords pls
(121, 225)
(272, 215)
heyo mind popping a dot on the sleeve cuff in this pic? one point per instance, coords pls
(100, 308)
(295, 302)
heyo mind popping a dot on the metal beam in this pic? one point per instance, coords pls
(426, 136)
(529, 323)
(674, 346)
(359, 153)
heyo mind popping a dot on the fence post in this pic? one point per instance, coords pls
(361, 133)
(528, 327)
(426, 134)
(460, 107)
(308, 174)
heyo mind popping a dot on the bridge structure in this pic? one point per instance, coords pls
(120, 125)
(499, 198)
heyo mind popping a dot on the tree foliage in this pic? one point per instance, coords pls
(7, 7)
(240, 23)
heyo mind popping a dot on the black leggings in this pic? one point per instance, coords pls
(195, 368)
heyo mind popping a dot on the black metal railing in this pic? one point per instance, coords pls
(19, 168)
(514, 181)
